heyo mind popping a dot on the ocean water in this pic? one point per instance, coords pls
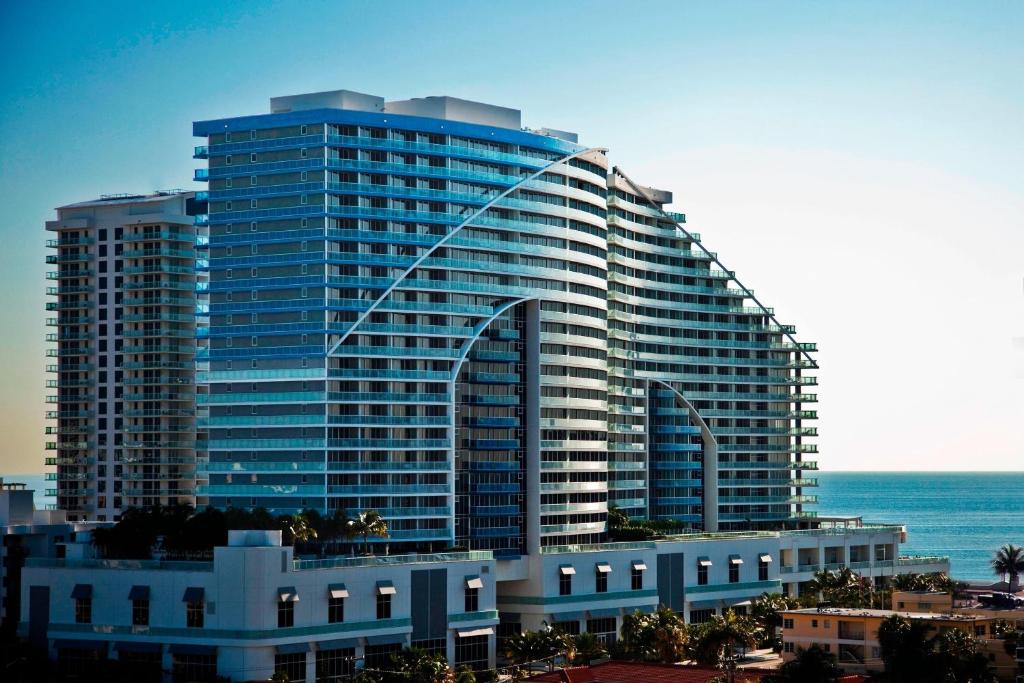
(965, 515)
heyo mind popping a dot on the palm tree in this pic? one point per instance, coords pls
(414, 665)
(532, 646)
(907, 582)
(812, 665)
(588, 648)
(766, 610)
(960, 658)
(658, 637)
(301, 529)
(1009, 561)
(616, 517)
(842, 587)
(367, 524)
(714, 642)
(905, 649)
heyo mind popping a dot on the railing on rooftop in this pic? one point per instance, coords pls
(381, 560)
(175, 565)
(597, 547)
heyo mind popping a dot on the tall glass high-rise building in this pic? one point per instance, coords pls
(480, 330)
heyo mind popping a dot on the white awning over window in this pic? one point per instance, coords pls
(603, 568)
(287, 594)
(766, 557)
(386, 588)
(337, 590)
(639, 565)
(735, 559)
(566, 569)
(474, 582)
(703, 561)
(476, 632)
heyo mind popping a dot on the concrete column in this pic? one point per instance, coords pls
(531, 377)
(450, 647)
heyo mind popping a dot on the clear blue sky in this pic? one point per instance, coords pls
(859, 164)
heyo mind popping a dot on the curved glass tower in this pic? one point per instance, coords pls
(422, 308)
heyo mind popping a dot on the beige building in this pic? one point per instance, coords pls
(851, 634)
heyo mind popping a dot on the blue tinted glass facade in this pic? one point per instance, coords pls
(458, 325)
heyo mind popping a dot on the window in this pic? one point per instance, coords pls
(734, 573)
(302, 129)
(291, 665)
(602, 582)
(702, 575)
(83, 611)
(379, 656)
(333, 666)
(565, 584)
(636, 579)
(432, 646)
(700, 616)
(189, 667)
(787, 623)
(253, 181)
(762, 570)
(140, 612)
(604, 629)
(194, 614)
(252, 158)
(383, 605)
(471, 651)
(252, 136)
(787, 646)
(335, 610)
(570, 627)
(814, 623)
(472, 600)
(227, 160)
(285, 614)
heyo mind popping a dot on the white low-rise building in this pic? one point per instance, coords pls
(27, 532)
(255, 609)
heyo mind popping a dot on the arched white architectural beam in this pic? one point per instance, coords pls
(478, 330)
(451, 233)
(710, 459)
(453, 380)
(643, 193)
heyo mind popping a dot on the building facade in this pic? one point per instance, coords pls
(852, 634)
(26, 532)
(122, 419)
(482, 331)
(256, 609)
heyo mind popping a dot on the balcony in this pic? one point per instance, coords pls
(851, 630)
